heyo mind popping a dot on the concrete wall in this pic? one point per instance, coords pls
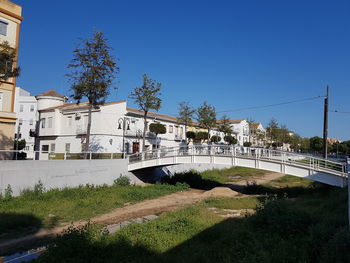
(58, 174)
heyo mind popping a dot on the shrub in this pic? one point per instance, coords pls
(230, 139)
(201, 136)
(122, 181)
(39, 188)
(281, 217)
(191, 178)
(247, 144)
(337, 249)
(190, 135)
(215, 138)
(8, 192)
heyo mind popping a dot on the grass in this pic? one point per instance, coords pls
(233, 174)
(312, 227)
(33, 209)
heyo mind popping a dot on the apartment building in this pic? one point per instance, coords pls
(26, 111)
(10, 20)
(115, 127)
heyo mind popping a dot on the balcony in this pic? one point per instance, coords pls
(81, 130)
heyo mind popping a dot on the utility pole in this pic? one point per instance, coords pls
(325, 125)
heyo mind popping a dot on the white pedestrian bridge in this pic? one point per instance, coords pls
(306, 166)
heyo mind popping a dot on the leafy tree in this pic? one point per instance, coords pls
(230, 139)
(93, 71)
(147, 97)
(215, 138)
(8, 58)
(19, 144)
(185, 115)
(224, 125)
(206, 117)
(272, 130)
(157, 128)
(316, 144)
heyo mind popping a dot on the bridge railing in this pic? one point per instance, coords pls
(243, 152)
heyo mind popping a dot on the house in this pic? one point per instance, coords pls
(257, 134)
(10, 20)
(115, 128)
(26, 111)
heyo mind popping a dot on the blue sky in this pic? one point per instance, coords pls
(233, 54)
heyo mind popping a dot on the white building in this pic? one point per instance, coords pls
(257, 134)
(26, 111)
(62, 127)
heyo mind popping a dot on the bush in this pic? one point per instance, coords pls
(281, 217)
(122, 181)
(215, 138)
(8, 192)
(190, 135)
(247, 144)
(338, 248)
(230, 139)
(201, 136)
(192, 178)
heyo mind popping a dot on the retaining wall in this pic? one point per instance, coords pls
(59, 173)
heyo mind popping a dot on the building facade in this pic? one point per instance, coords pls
(115, 128)
(26, 111)
(257, 134)
(10, 20)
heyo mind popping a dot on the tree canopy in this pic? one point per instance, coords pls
(93, 70)
(147, 97)
(206, 117)
(8, 56)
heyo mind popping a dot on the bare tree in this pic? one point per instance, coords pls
(147, 97)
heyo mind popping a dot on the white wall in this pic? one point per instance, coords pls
(22, 175)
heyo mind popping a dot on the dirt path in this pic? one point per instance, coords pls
(154, 206)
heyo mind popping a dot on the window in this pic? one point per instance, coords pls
(181, 130)
(69, 121)
(31, 108)
(43, 123)
(26, 148)
(1, 99)
(45, 148)
(171, 129)
(67, 147)
(3, 27)
(52, 147)
(20, 121)
(49, 122)
(21, 108)
(31, 122)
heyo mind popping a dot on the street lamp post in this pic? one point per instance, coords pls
(122, 123)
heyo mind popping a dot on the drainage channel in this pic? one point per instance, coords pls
(35, 253)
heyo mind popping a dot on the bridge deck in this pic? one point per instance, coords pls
(317, 169)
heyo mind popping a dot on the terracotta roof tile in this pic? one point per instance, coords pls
(50, 93)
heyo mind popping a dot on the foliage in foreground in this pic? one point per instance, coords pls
(311, 228)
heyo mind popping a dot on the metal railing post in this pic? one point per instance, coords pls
(65, 156)
(90, 155)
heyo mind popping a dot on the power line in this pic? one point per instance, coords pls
(272, 105)
(336, 111)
